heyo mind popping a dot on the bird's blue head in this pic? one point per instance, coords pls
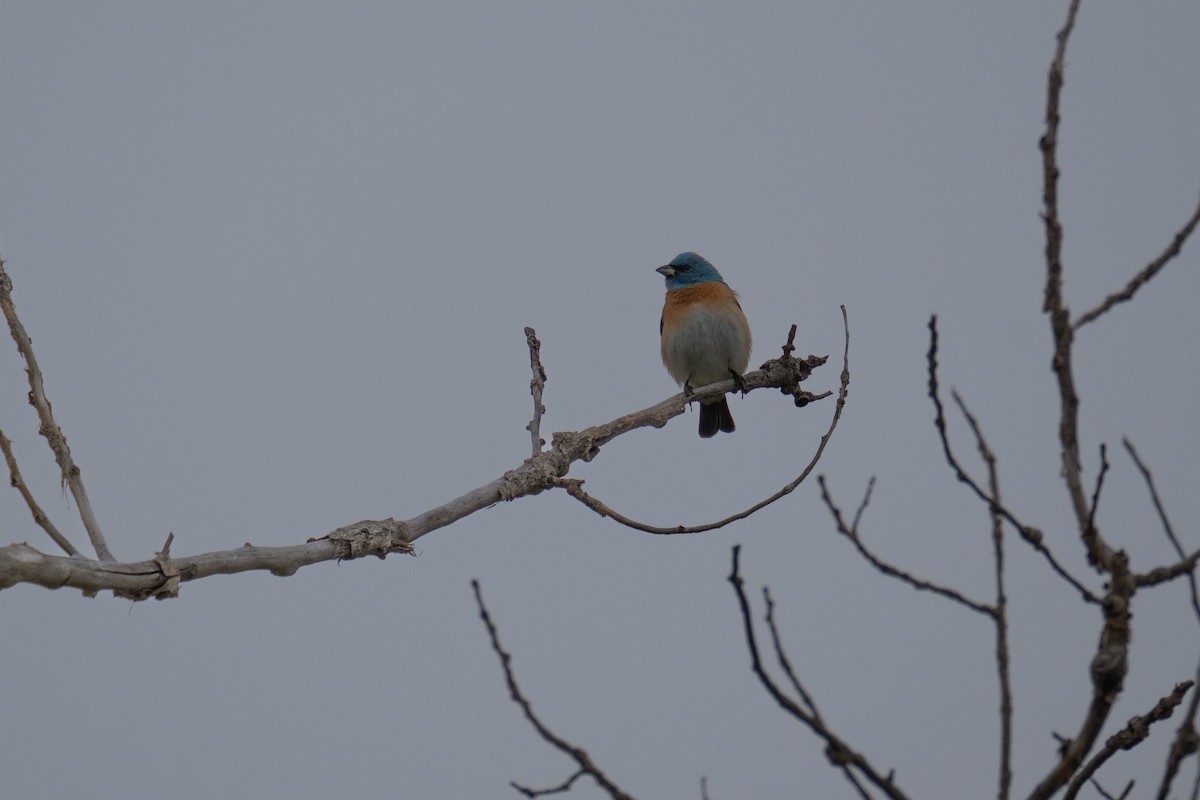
(688, 269)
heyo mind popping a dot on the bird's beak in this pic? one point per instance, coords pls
(666, 270)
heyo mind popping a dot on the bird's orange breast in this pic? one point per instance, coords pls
(680, 300)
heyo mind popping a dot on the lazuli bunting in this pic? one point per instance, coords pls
(705, 336)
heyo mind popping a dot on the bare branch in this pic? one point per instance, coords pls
(1187, 563)
(785, 664)
(49, 428)
(1128, 788)
(1099, 553)
(1095, 505)
(1134, 733)
(579, 755)
(160, 577)
(837, 751)
(1000, 609)
(17, 482)
(575, 487)
(1185, 741)
(851, 533)
(563, 787)
(1108, 669)
(536, 385)
(1143, 277)
(20, 563)
(1030, 535)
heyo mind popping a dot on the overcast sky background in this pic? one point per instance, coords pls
(276, 259)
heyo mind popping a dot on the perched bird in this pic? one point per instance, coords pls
(705, 336)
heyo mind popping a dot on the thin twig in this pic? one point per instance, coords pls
(1134, 733)
(579, 755)
(536, 385)
(1030, 535)
(39, 516)
(837, 751)
(1095, 504)
(1186, 740)
(1103, 793)
(49, 428)
(1188, 561)
(575, 487)
(1000, 615)
(1148, 272)
(565, 786)
(851, 533)
(785, 664)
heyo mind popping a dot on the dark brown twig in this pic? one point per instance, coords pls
(1028, 534)
(836, 750)
(1107, 796)
(1095, 504)
(1185, 741)
(579, 755)
(1143, 277)
(1134, 732)
(785, 664)
(575, 487)
(1000, 609)
(851, 533)
(562, 788)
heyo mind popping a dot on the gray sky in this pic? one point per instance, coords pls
(276, 259)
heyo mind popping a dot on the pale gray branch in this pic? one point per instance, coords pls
(39, 516)
(49, 428)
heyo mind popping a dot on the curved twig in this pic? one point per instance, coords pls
(575, 487)
(839, 753)
(920, 584)
(1031, 536)
(57, 440)
(586, 766)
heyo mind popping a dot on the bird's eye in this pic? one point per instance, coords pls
(683, 268)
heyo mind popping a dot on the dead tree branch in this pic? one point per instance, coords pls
(17, 482)
(1143, 277)
(580, 756)
(1134, 733)
(71, 477)
(537, 384)
(160, 577)
(1030, 535)
(839, 753)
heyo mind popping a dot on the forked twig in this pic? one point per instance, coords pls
(49, 428)
(1134, 732)
(839, 753)
(580, 756)
(892, 571)
(39, 516)
(1028, 534)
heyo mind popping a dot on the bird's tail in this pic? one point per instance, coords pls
(715, 417)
